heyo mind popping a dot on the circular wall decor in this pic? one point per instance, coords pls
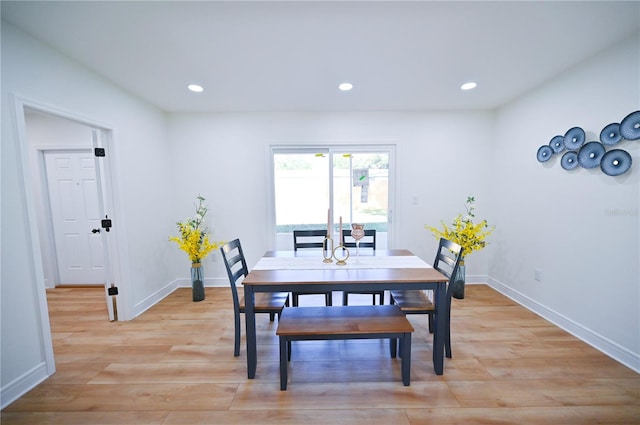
(557, 144)
(630, 126)
(610, 135)
(569, 160)
(574, 138)
(591, 154)
(615, 162)
(544, 153)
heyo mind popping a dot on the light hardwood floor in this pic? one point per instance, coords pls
(174, 365)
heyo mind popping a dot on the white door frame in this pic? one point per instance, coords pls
(20, 104)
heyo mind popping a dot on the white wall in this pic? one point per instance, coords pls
(580, 228)
(34, 72)
(225, 158)
(162, 163)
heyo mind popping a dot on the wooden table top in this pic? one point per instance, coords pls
(347, 275)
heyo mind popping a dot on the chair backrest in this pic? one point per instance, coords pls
(308, 239)
(236, 265)
(369, 240)
(448, 260)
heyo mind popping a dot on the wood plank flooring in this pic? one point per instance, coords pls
(174, 365)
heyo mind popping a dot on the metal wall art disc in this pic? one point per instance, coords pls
(574, 138)
(591, 154)
(557, 144)
(630, 126)
(615, 162)
(544, 153)
(610, 135)
(569, 160)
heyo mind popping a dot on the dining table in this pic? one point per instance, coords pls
(306, 271)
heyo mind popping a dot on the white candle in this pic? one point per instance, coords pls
(329, 222)
(341, 234)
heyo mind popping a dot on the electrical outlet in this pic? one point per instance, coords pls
(537, 275)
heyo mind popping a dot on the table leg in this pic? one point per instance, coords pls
(441, 323)
(250, 335)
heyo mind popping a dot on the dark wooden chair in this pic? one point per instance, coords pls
(271, 303)
(447, 262)
(303, 239)
(368, 241)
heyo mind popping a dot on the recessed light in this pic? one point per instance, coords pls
(345, 86)
(195, 88)
(468, 86)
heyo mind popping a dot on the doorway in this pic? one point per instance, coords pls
(71, 194)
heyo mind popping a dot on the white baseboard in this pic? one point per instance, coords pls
(209, 282)
(163, 292)
(154, 298)
(22, 384)
(597, 341)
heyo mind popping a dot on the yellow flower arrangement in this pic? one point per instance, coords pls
(463, 231)
(194, 238)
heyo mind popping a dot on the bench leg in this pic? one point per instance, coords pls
(406, 359)
(393, 347)
(283, 363)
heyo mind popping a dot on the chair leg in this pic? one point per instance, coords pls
(393, 347)
(272, 316)
(447, 342)
(236, 339)
(430, 323)
(328, 298)
(295, 300)
(345, 298)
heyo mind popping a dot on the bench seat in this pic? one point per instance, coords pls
(345, 322)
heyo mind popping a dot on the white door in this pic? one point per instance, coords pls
(75, 212)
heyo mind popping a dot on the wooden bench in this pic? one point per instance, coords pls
(345, 322)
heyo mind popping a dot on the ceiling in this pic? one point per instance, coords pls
(291, 56)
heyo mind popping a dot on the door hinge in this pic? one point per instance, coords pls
(99, 152)
(113, 291)
(106, 223)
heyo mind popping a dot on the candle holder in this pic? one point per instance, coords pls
(326, 250)
(345, 252)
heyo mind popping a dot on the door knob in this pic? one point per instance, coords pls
(95, 231)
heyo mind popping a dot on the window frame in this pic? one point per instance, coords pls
(330, 150)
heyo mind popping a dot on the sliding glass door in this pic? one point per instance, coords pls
(353, 182)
